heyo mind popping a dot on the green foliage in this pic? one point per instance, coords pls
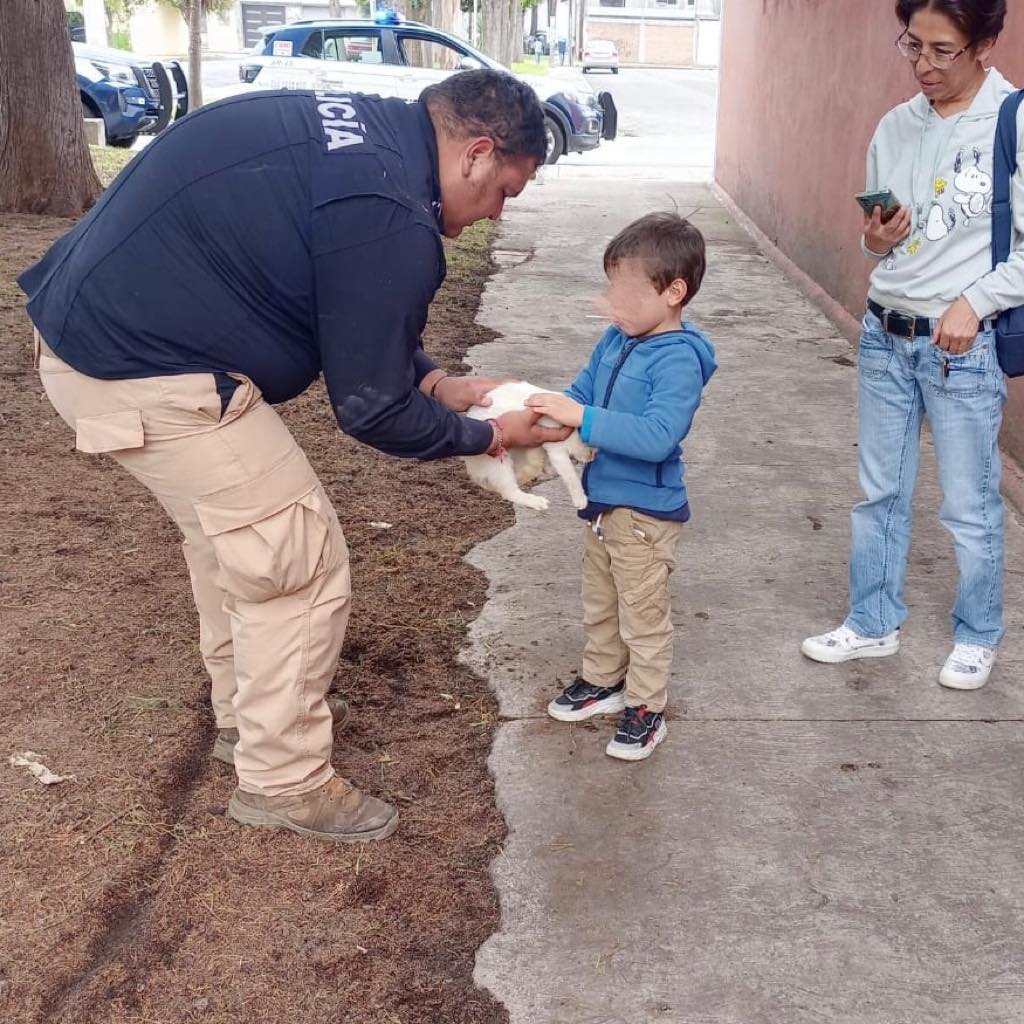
(120, 40)
(528, 66)
(209, 6)
(119, 11)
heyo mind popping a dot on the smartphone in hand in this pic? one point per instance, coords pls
(882, 197)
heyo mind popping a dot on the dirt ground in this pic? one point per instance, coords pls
(126, 895)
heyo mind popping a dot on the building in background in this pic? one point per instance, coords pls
(155, 29)
(666, 33)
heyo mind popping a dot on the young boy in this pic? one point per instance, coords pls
(634, 402)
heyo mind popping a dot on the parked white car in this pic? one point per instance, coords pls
(600, 54)
(393, 57)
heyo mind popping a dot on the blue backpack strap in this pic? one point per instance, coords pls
(1004, 166)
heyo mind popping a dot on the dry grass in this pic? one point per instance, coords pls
(127, 895)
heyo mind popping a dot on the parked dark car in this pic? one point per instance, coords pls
(76, 26)
(392, 57)
(132, 94)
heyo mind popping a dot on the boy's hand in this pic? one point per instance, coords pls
(560, 408)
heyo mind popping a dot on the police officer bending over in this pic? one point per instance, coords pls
(257, 243)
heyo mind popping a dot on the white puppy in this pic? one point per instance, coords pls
(521, 466)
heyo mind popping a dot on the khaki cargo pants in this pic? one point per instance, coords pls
(264, 548)
(627, 621)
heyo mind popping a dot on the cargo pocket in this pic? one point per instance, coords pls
(273, 535)
(110, 432)
(652, 591)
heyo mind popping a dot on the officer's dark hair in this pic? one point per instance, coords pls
(977, 19)
(668, 246)
(492, 104)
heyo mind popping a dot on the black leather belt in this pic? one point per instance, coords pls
(901, 324)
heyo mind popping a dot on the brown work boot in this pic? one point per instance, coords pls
(224, 744)
(337, 812)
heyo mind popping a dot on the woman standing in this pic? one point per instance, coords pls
(928, 347)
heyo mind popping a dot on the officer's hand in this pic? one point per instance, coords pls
(520, 430)
(884, 233)
(460, 393)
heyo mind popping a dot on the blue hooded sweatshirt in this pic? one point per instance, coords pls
(640, 397)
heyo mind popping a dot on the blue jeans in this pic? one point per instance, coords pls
(900, 381)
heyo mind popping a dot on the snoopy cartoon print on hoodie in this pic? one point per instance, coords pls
(973, 185)
(940, 222)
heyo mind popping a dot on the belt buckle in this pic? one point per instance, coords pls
(903, 318)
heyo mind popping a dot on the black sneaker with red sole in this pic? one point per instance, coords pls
(639, 732)
(583, 700)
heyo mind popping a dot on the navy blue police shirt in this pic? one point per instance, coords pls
(276, 235)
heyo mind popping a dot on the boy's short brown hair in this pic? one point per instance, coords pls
(669, 247)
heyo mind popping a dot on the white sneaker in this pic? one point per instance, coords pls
(843, 644)
(968, 667)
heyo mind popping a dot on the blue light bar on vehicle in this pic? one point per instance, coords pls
(386, 16)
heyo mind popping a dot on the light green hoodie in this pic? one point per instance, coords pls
(942, 169)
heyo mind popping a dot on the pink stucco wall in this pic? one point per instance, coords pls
(803, 84)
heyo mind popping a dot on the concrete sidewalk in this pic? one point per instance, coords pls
(811, 843)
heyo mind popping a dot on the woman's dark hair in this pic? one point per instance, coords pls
(491, 104)
(976, 19)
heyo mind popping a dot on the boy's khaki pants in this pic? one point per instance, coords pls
(264, 548)
(627, 620)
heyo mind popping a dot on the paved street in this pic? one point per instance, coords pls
(220, 73)
(666, 126)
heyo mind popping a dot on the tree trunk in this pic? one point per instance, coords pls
(195, 54)
(45, 166)
(502, 37)
(488, 30)
(334, 8)
(514, 14)
(533, 19)
(506, 50)
(443, 14)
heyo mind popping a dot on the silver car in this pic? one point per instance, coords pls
(601, 53)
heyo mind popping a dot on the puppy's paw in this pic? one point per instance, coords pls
(587, 454)
(534, 501)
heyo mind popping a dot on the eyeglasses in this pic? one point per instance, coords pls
(914, 51)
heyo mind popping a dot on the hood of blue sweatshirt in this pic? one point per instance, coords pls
(702, 347)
